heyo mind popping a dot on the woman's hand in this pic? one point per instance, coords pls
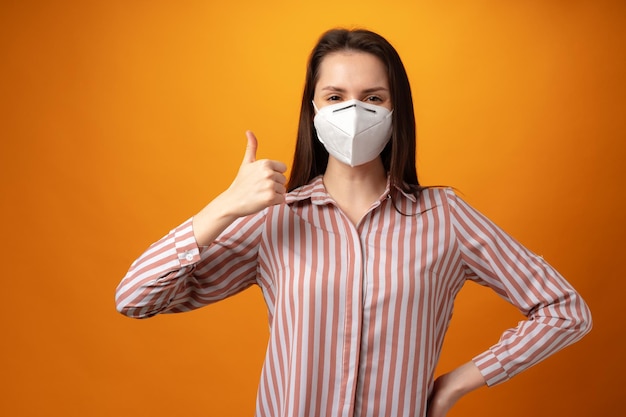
(450, 387)
(258, 184)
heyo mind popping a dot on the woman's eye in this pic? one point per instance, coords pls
(333, 98)
(373, 98)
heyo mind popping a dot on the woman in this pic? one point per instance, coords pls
(358, 264)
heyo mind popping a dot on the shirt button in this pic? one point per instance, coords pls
(189, 257)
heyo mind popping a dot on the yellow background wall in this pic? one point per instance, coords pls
(120, 119)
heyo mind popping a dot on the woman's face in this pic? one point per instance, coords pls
(349, 75)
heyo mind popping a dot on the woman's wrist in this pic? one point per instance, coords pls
(212, 220)
(465, 378)
(450, 387)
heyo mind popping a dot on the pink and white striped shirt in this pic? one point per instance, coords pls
(358, 313)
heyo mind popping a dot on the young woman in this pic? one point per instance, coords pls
(359, 265)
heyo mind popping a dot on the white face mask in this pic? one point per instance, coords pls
(352, 131)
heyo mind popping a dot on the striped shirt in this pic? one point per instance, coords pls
(358, 313)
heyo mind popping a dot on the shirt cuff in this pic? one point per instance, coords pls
(187, 249)
(491, 368)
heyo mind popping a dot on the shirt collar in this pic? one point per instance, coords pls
(316, 192)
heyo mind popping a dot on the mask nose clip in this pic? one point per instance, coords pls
(354, 105)
(344, 108)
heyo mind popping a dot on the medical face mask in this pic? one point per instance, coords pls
(352, 131)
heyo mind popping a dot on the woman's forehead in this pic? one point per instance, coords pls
(351, 68)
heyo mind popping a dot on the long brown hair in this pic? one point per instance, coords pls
(398, 157)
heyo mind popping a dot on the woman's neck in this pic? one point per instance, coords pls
(355, 189)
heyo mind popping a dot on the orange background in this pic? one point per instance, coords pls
(120, 119)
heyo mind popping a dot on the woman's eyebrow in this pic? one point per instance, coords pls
(343, 90)
(333, 88)
(375, 89)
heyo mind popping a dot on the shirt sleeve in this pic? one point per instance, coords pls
(175, 275)
(557, 316)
